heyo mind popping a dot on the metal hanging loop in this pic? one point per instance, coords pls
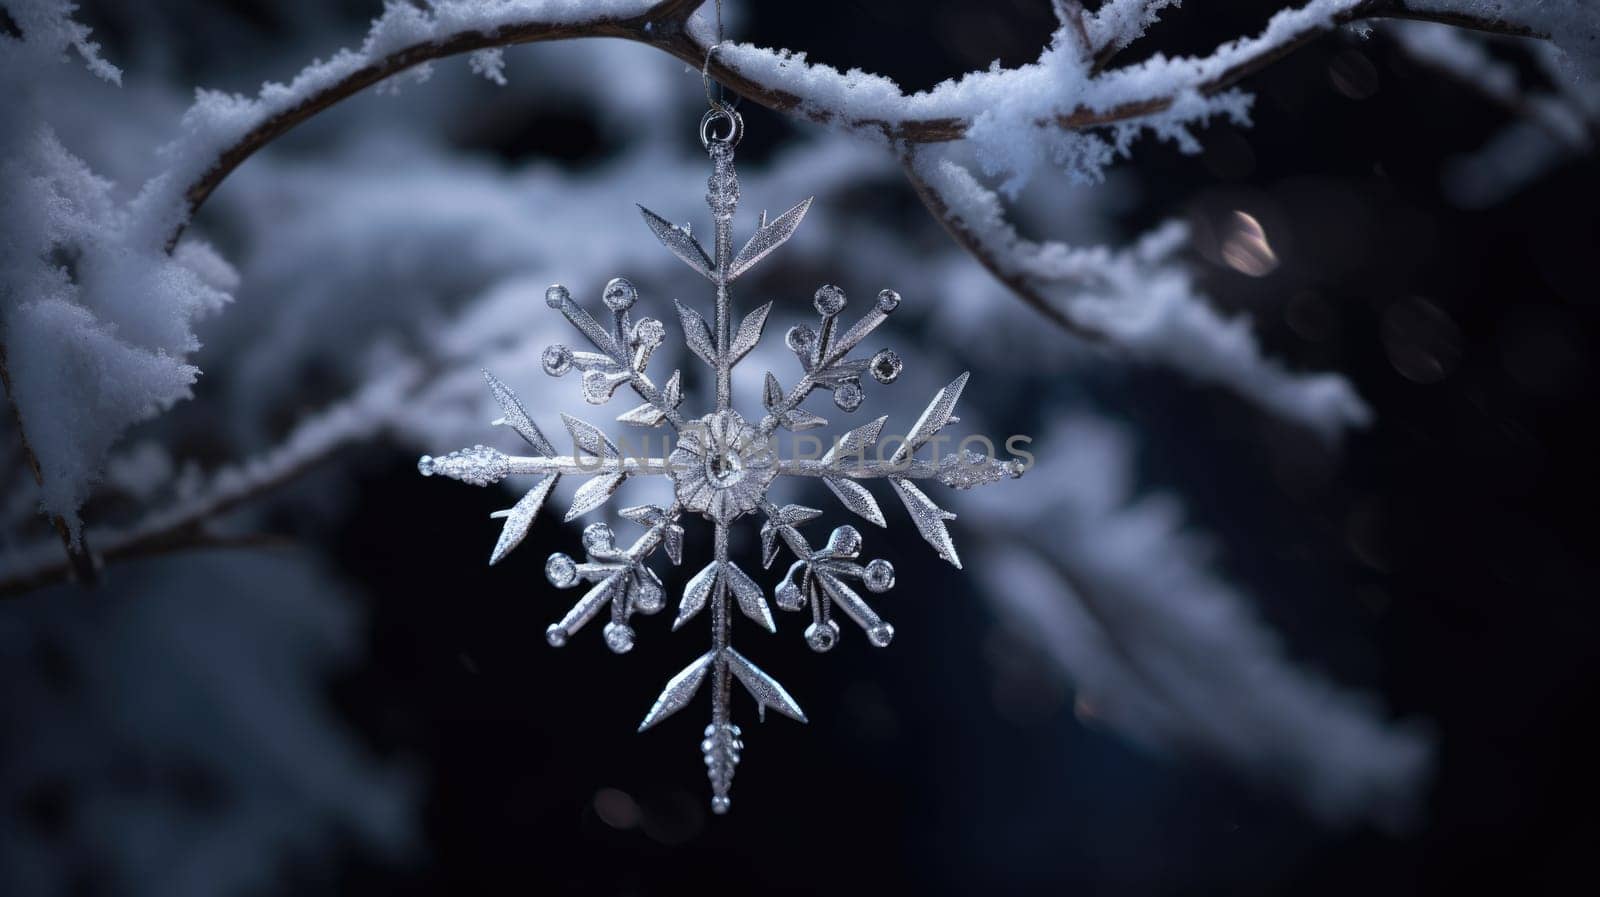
(721, 117)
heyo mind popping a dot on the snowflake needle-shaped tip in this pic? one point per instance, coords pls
(519, 517)
(767, 238)
(680, 241)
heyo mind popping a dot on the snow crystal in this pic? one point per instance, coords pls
(490, 64)
(1118, 23)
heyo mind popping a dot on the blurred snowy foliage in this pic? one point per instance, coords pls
(1123, 600)
(177, 738)
(1556, 120)
(370, 248)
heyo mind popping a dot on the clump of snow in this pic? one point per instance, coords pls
(1118, 23)
(77, 388)
(47, 32)
(490, 64)
(95, 317)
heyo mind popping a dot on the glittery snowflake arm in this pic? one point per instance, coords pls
(625, 350)
(593, 455)
(817, 579)
(821, 353)
(717, 344)
(847, 462)
(620, 576)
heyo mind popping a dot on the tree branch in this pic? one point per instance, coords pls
(660, 22)
(182, 525)
(1371, 9)
(1137, 299)
(194, 538)
(1469, 64)
(973, 244)
(665, 27)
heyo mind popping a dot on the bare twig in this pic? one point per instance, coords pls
(192, 538)
(183, 524)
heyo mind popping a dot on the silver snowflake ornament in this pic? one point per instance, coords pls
(722, 467)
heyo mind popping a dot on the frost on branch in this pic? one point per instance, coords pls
(1118, 23)
(490, 63)
(196, 502)
(1011, 114)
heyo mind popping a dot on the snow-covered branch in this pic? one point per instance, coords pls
(1553, 122)
(184, 523)
(223, 131)
(1138, 300)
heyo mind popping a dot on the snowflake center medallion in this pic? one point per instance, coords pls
(722, 467)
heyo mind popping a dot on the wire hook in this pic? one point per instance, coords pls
(720, 100)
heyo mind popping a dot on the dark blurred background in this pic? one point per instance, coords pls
(1459, 525)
